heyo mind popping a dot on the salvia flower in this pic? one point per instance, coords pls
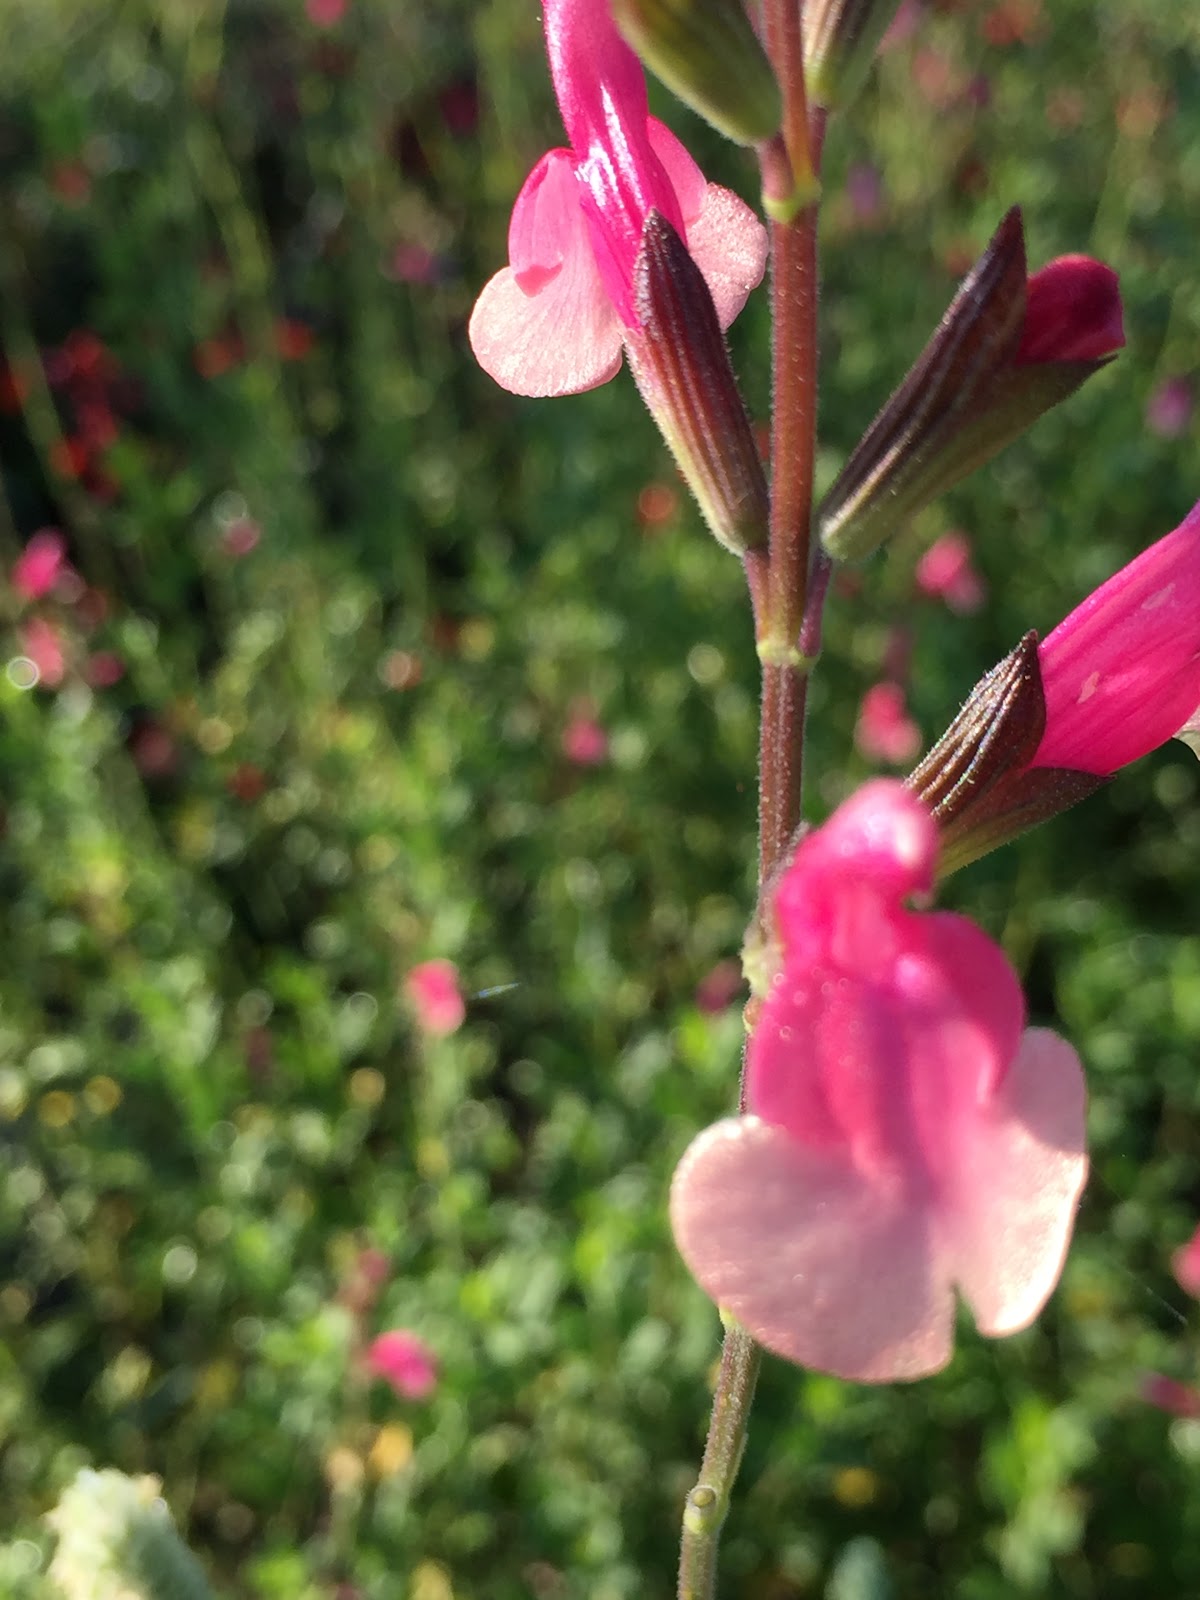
(405, 1361)
(554, 321)
(436, 997)
(946, 572)
(885, 731)
(1054, 720)
(1185, 1264)
(40, 565)
(905, 1136)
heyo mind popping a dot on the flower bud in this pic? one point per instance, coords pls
(682, 368)
(708, 54)
(978, 780)
(1007, 349)
(840, 40)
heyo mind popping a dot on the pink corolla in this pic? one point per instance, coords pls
(405, 1361)
(554, 321)
(436, 997)
(1121, 674)
(905, 1135)
(40, 565)
(885, 731)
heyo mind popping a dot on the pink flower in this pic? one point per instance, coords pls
(434, 994)
(326, 13)
(1121, 674)
(42, 644)
(1169, 408)
(405, 1361)
(885, 731)
(720, 987)
(945, 572)
(40, 565)
(1072, 313)
(1185, 1264)
(906, 1135)
(1169, 1395)
(585, 742)
(555, 319)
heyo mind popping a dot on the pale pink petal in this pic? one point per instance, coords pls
(1007, 1220)
(1072, 313)
(729, 245)
(1121, 674)
(563, 340)
(816, 1264)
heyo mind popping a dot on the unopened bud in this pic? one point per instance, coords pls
(707, 53)
(977, 780)
(978, 384)
(840, 40)
(682, 367)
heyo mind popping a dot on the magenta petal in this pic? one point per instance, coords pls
(1008, 1218)
(684, 176)
(1072, 313)
(1121, 674)
(562, 340)
(816, 1264)
(729, 245)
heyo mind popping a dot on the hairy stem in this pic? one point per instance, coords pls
(787, 614)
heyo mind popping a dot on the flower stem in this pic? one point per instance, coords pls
(787, 614)
(709, 1500)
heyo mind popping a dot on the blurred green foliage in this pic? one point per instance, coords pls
(355, 594)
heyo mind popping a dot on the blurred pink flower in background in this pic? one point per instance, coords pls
(435, 996)
(405, 1361)
(884, 730)
(906, 1135)
(104, 669)
(38, 568)
(42, 643)
(945, 572)
(1185, 1264)
(720, 987)
(584, 741)
(325, 13)
(1169, 408)
(1169, 1395)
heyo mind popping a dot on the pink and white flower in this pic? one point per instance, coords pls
(905, 1137)
(555, 320)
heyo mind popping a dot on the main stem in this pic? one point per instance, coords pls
(787, 628)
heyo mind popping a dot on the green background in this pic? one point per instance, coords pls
(340, 754)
